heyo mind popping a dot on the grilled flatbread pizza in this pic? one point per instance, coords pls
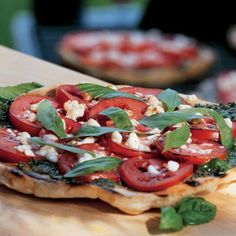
(138, 58)
(132, 147)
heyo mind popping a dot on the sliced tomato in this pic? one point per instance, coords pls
(234, 129)
(66, 162)
(68, 92)
(143, 91)
(18, 109)
(134, 173)
(137, 107)
(198, 152)
(72, 126)
(8, 151)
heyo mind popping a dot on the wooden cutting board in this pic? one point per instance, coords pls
(22, 215)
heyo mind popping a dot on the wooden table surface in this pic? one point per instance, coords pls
(22, 215)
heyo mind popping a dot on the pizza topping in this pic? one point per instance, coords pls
(30, 116)
(152, 110)
(228, 122)
(50, 138)
(74, 110)
(133, 141)
(153, 171)
(184, 106)
(116, 137)
(92, 122)
(34, 107)
(26, 149)
(49, 152)
(172, 166)
(86, 140)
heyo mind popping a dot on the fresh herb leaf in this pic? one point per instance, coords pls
(10, 92)
(61, 146)
(177, 138)
(104, 183)
(171, 99)
(225, 130)
(91, 166)
(98, 91)
(4, 120)
(163, 120)
(118, 116)
(195, 211)
(170, 219)
(231, 159)
(48, 117)
(215, 167)
(88, 130)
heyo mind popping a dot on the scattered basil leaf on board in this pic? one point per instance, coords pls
(176, 138)
(98, 91)
(61, 146)
(88, 130)
(170, 219)
(163, 120)
(195, 211)
(91, 166)
(49, 119)
(10, 92)
(118, 116)
(171, 99)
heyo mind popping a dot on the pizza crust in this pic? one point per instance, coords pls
(127, 200)
(156, 77)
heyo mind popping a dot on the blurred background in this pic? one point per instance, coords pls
(36, 27)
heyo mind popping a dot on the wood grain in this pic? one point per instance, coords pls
(26, 215)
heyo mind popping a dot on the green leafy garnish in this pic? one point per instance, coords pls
(171, 99)
(195, 211)
(98, 91)
(10, 92)
(118, 116)
(189, 211)
(215, 167)
(61, 146)
(170, 219)
(163, 120)
(4, 120)
(176, 138)
(88, 130)
(91, 166)
(48, 117)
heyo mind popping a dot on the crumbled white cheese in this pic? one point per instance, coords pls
(134, 122)
(153, 109)
(30, 116)
(34, 107)
(129, 113)
(152, 170)
(26, 149)
(86, 157)
(50, 153)
(50, 137)
(172, 166)
(116, 137)
(133, 141)
(144, 148)
(153, 100)
(86, 140)
(228, 122)
(92, 122)
(111, 86)
(23, 137)
(9, 131)
(191, 99)
(179, 125)
(154, 131)
(183, 106)
(74, 110)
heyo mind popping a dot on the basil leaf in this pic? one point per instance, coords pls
(118, 116)
(195, 211)
(4, 120)
(98, 91)
(163, 120)
(225, 130)
(177, 138)
(171, 99)
(91, 166)
(48, 117)
(170, 219)
(88, 130)
(61, 146)
(10, 92)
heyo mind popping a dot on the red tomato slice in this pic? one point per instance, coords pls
(17, 111)
(143, 91)
(72, 126)
(8, 152)
(137, 107)
(198, 152)
(234, 129)
(70, 92)
(134, 173)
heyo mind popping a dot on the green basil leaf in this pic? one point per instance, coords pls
(4, 120)
(170, 219)
(163, 120)
(118, 116)
(91, 166)
(10, 92)
(171, 99)
(98, 91)
(177, 138)
(195, 211)
(88, 130)
(225, 130)
(61, 146)
(48, 117)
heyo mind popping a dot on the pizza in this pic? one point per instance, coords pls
(138, 58)
(132, 147)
